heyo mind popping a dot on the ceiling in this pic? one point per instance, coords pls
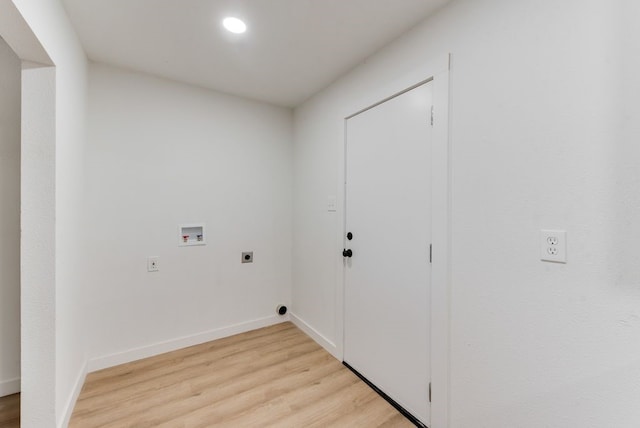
(292, 49)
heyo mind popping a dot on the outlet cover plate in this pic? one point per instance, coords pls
(153, 264)
(553, 246)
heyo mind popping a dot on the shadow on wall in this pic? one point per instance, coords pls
(10, 72)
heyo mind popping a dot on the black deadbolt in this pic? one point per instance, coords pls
(347, 253)
(247, 257)
(349, 236)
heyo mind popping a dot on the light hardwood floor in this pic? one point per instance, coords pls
(10, 411)
(272, 377)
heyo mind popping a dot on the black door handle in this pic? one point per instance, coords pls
(347, 253)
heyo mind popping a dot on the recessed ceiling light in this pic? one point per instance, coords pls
(234, 25)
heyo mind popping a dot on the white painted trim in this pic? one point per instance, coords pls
(421, 73)
(8, 387)
(441, 264)
(317, 336)
(179, 343)
(71, 403)
(441, 227)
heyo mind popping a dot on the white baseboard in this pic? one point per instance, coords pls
(315, 335)
(179, 343)
(8, 387)
(71, 403)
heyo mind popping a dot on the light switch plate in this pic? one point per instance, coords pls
(553, 246)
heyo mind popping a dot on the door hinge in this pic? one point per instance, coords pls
(431, 115)
(430, 253)
(429, 392)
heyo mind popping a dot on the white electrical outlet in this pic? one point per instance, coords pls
(553, 246)
(153, 264)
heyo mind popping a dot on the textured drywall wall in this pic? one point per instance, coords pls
(161, 154)
(52, 318)
(37, 249)
(10, 71)
(543, 136)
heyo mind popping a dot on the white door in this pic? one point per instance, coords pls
(387, 277)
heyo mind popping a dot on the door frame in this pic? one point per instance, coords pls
(436, 72)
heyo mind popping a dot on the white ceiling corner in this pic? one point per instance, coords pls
(292, 49)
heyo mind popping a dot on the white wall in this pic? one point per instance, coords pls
(162, 154)
(544, 131)
(10, 70)
(37, 249)
(53, 357)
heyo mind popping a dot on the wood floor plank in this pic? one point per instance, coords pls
(152, 409)
(147, 382)
(10, 411)
(268, 400)
(251, 338)
(99, 383)
(365, 412)
(276, 376)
